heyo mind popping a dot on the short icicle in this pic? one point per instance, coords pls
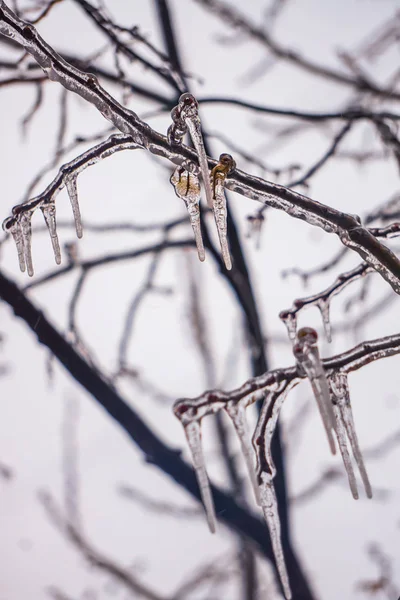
(324, 307)
(340, 387)
(26, 229)
(237, 414)
(16, 232)
(72, 190)
(193, 436)
(49, 214)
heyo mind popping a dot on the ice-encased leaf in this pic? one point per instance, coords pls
(237, 413)
(187, 187)
(16, 232)
(26, 230)
(193, 436)
(340, 388)
(49, 214)
(72, 190)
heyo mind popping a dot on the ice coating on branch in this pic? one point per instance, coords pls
(269, 507)
(49, 214)
(193, 436)
(266, 472)
(340, 389)
(187, 187)
(218, 175)
(308, 359)
(237, 413)
(72, 189)
(342, 441)
(26, 230)
(324, 307)
(16, 232)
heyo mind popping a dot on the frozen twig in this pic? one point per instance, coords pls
(346, 226)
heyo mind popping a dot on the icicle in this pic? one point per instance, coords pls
(269, 507)
(16, 232)
(26, 229)
(307, 356)
(49, 214)
(342, 441)
(323, 306)
(266, 471)
(340, 387)
(187, 187)
(290, 321)
(188, 106)
(193, 435)
(72, 189)
(218, 175)
(237, 413)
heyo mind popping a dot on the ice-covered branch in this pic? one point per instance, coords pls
(329, 380)
(322, 300)
(346, 226)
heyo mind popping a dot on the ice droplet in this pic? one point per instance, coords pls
(49, 214)
(72, 189)
(193, 436)
(290, 321)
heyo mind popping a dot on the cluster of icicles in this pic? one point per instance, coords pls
(185, 178)
(331, 392)
(185, 181)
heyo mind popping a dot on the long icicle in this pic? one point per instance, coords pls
(344, 451)
(218, 175)
(72, 190)
(49, 214)
(266, 472)
(237, 414)
(189, 113)
(340, 387)
(308, 359)
(193, 436)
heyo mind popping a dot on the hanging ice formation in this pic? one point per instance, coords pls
(307, 355)
(219, 173)
(19, 225)
(185, 118)
(187, 187)
(345, 426)
(262, 475)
